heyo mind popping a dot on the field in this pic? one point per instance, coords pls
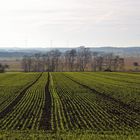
(70, 105)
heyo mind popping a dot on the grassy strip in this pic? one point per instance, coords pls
(75, 135)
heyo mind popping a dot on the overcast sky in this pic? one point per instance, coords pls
(69, 23)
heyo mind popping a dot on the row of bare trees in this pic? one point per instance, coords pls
(3, 67)
(81, 59)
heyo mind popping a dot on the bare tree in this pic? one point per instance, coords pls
(136, 65)
(3, 67)
(25, 64)
(70, 57)
(84, 56)
(72, 60)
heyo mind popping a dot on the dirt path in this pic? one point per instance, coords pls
(45, 122)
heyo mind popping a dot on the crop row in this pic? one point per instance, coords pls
(69, 101)
(11, 85)
(77, 107)
(120, 86)
(26, 114)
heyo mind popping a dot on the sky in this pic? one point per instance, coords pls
(69, 23)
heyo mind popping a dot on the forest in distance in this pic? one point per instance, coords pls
(70, 59)
(81, 59)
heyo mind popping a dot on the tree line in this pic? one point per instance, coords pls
(81, 59)
(3, 67)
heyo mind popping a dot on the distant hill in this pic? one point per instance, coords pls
(126, 52)
(18, 53)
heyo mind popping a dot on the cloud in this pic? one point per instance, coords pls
(77, 20)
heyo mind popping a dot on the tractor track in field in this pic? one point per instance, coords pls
(114, 107)
(11, 106)
(45, 122)
(107, 97)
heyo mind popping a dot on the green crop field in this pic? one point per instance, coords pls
(70, 105)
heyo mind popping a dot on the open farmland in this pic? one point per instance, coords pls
(98, 104)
